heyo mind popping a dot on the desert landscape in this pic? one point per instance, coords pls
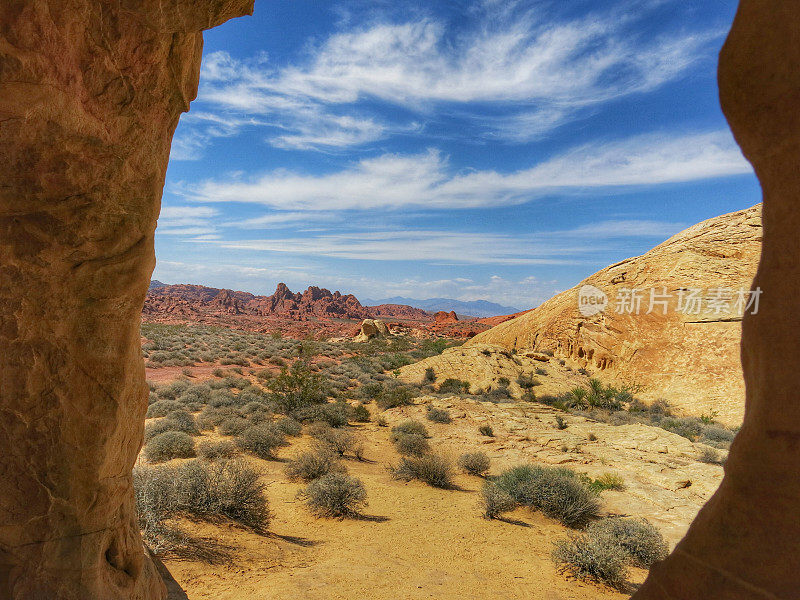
(374, 403)
(545, 344)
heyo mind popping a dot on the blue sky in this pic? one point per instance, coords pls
(490, 149)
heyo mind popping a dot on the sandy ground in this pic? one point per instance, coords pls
(413, 542)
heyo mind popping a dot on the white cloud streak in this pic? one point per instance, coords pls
(545, 72)
(394, 181)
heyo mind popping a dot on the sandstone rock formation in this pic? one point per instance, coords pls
(743, 543)
(445, 317)
(198, 301)
(689, 357)
(91, 95)
(370, 329)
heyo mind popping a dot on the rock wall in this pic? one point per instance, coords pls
(91, 94)
(743, 543)
(688, 357)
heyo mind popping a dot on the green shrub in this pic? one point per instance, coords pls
(410, 427)
(710, 457)
(335, 414)
(608, 481)
(173, 390)
(496, 501)
(585, 557)
(169, 445)
(474, 463)
(180, 420)
(313, 465)
(410, 444)
(438, 415)
(395, 396)
(717, 436)
(560, 422)
(335, 495)
(289, 427)
(155, 428)
(233, 425)
(558, 492)
(338, 441)
(298, 387)
(217, 450)
(432, 469)
(162, 408)
(196, 394)
(430, 375)
(640, 540)
(454, 386)
(486, 430)
(361, 414)
(687, 427)
(261, 440)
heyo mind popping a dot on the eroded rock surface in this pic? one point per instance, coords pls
(689, 357)
(743, 543)
(91, 95)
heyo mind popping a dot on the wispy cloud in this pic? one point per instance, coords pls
(426, 180)
(542, 71)
(188, 220)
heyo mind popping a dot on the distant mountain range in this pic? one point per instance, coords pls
(473, 308)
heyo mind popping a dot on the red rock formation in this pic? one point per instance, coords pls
(399, 311)
(445, 317)
(91, 95)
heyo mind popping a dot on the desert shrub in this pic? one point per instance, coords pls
(220, 398)
(336, 414)
(560, 422)
(687, 427)
(152, 397)
(410, 444)
(558, 492)
(526, 381)
(394, 396)
(585, 557)
(717, 436)
(196, 394)
(335, 495)
(261, 440)
(361, 414)
(432, 469)
(640, 540)
(289, 426)
(169, 445)
(474, 463)
(608, 481)
(541, 371)
(438, 415)
(496, 501)
(180, 420)
(161, 408)
(454, 386)
(710, 457)
(155, 428)
(381, 421)
(498, 394)
(233, 425)
(430, 375)
(298, 387)
(173, 390)
(410, 427)
(339, 441)
(216, 450)
(313, 465)
(486, 430)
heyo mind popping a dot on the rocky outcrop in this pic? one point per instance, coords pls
(398, 311)
(743, 543)
(445, 317)
(686, 354)
(91, 95)
(198, 300)
(370, 329)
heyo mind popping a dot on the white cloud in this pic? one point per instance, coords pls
(546, 71)
(425, 180)
(188, 221)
